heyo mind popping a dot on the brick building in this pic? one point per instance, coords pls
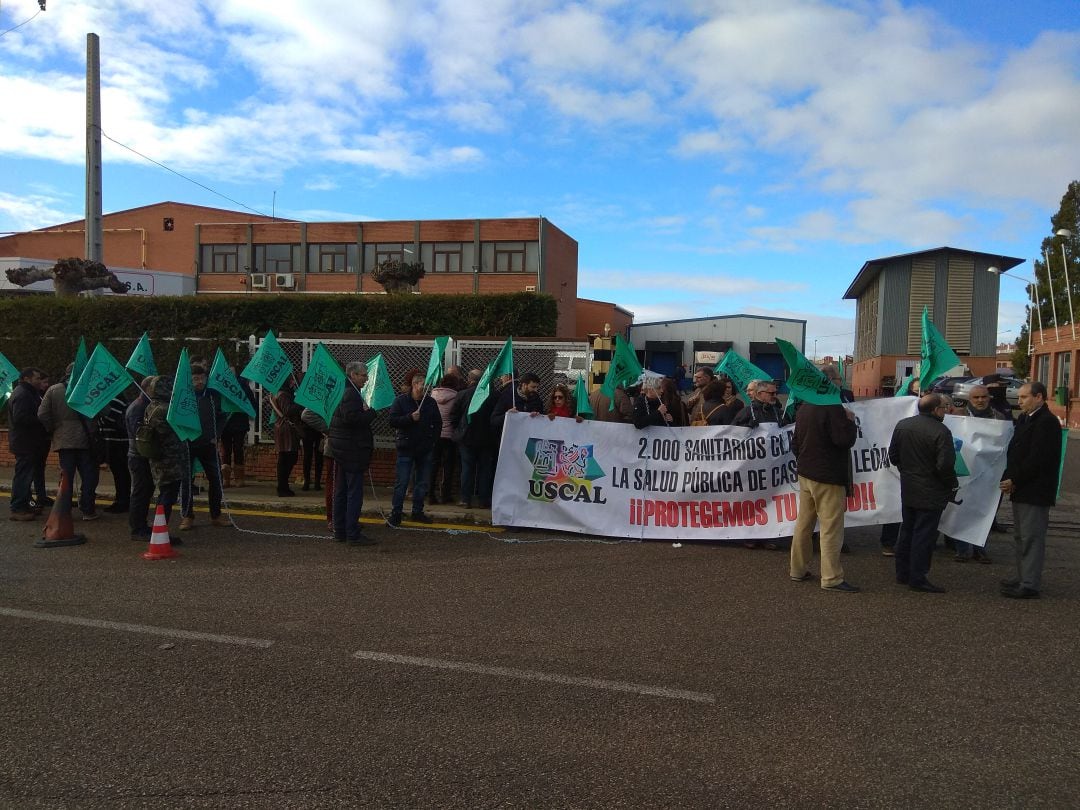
(249, 254)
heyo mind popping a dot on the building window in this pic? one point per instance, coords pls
(447, 257)
(344, 258)
(509, 257)
(1064, 368)
(223, 259)
(1043, 375)
(277, 258)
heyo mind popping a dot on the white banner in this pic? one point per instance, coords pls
(719, 483)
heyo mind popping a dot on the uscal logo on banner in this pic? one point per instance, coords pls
(563, 472)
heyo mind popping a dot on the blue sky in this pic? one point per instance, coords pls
(709, 157)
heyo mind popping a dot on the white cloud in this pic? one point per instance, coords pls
(21, 212)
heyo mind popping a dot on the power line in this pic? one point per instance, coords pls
(20, 25)
(178, 174)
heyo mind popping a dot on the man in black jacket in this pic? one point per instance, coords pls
(28, 440)
(418, 422)
(1031, 480)
(922, 450)
(351, 442)
(204, 449)
(821, 443)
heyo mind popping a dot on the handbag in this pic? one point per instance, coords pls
(703, 420)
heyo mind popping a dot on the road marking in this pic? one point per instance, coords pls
(533, 675)
(167, 632)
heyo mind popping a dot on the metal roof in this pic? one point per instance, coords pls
(873, 266)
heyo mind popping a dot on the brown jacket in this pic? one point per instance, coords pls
(822, 443)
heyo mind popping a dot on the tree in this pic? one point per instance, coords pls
(1021, 360)
(69, 276)
(1067, 218)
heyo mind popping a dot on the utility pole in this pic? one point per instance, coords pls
(94, 246)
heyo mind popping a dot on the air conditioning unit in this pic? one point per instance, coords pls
(284, 281)
(258, 281)
(530, 288)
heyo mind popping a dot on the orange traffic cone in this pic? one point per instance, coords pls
(160, 545)
(59, 530)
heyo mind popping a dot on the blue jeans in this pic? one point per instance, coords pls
(349, 497)
(142, 490)
(83, 461)
(468, 456)
(21, 482)
(915, 544)
(417, 468)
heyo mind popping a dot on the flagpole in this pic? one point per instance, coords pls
(1053, 306)
(1068, 288)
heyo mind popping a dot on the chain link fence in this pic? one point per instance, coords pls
(552, 361)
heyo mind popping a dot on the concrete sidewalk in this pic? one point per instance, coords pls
(262, 496)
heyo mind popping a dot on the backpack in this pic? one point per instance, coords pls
(147, 444)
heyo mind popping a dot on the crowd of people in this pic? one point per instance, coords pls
(444, 445)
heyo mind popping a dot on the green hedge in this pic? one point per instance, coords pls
(43, 331)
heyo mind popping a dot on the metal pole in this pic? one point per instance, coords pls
(1053, 306)
(94, 243)
(1068, 288)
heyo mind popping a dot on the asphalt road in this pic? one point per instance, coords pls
(472, 670)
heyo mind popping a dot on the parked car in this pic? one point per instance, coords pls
(945, 385)
(961, 390)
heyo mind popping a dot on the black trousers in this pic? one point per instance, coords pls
(915, 544)
(118, 466)
(285, 463)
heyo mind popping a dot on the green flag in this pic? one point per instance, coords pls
(805, 380)
(1061, 464)
(270, 366)
(902, 389)
(378, 391)
(102, 379)
(741, 372)
(81, 356)
(435, 364)
(581, 400)
(502, 364)
(234, 398)
(840, 369)
(183, 412)
(624, 369)
(9, 375)
(937, 356)
(142, 359)
(323, 385)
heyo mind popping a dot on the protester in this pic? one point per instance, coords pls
(28, 440)
(523, 397)
(995, 385)
(234, 441)
(475, 444)
(286, 435)
(681, 382)
(702, 377)
(142, 479)
(561, 403)
(350, 445)
(669, 395)
(418, 423)
(445, 456)
(922, 450)
(171, 467)
(311, 456)
(204, 450)
(978, 407)
(763, 406)
(1031, 482)
(315, 423)
(73, 438)
(622, 412)
(649, 408)
(718, 405)
(833, 375)
(821, 443)
(890, 531)
(112, 428)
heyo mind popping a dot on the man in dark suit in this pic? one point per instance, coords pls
(1031, 481)
(922, 450)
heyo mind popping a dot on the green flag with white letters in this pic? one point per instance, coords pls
(378, 391)
(183, 412)
(806, 381)
(234, 397)
(270, 366)
(323, 385)
(740, 371)
(9, 375)
(142, 359)
(937, 356)
(101, 380)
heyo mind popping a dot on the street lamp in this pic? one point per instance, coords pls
(997, 271)
(1065, 233)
